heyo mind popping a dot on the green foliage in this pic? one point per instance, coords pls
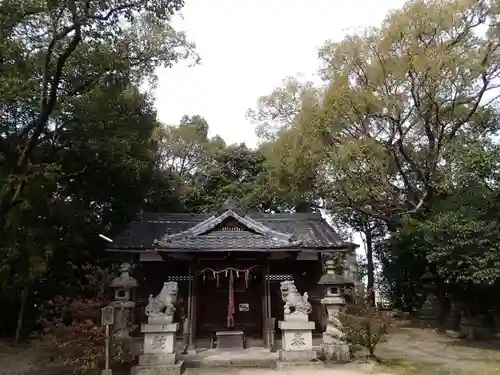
(54, 53)
(456, 241)
(93, 176)
(402, 133)
(399, 96)
(203, 172)
(402, 272)
(234, 171)
(77, 156)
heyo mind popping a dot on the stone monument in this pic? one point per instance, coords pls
(334, 346)
(123, 285)
(159, 357)
(296, 329)
(452, 321)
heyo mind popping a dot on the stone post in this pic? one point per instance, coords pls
(123, 304)
(496, 326)
(334, 346)
(159, 357)
(296, 330)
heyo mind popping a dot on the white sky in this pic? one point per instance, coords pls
(247, 48)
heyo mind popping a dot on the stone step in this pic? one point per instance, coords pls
(174, 369)
(285, 365)
(231, 363)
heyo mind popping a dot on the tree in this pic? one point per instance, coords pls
(372, 231)
(457, 240)
(184, 148)
(234, 171)
(90, 179)
(202, 171)
(408, 105)
(53, 52)
(398, 98)
(185, 154)
(278, 111)
(291, 156)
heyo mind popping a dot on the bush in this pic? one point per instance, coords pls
(364, 324)
(71, 326)
(79, 345)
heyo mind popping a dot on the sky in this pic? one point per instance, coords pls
(247, 48)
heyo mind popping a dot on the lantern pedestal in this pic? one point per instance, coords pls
(334, 346)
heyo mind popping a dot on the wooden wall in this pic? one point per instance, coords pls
(212, 299)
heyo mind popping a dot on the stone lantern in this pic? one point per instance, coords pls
(123, 304)
(334, 346)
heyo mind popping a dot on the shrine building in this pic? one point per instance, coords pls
(229, 265)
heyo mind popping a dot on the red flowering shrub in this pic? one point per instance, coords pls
(71, 327)
(79, 345)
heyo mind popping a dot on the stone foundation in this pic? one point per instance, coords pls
(159, 338)
(172, 369)
(297, 344)
(283, 365)
(159, 356)
(338, 352)
(296, 335)
(157, 359)
(297, 355)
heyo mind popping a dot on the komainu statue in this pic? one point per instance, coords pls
(293, 299)
(163, 303)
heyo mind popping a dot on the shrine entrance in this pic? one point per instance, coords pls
(229, 297)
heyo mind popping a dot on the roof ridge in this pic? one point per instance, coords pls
(311, 228)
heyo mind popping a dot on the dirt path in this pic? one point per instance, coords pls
(409, 351)
(427, 347)
(328, 371)
(17, 360)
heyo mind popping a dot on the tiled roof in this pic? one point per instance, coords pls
(183, 231)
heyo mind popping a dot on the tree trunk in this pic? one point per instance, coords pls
(20, 317)
(370, 267)
(4, 210)
(371, 352)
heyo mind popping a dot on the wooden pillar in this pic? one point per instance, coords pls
(269, 292)
(265, 291)
(187, 330)
(193, 272)
(270, 329)
(194, 306)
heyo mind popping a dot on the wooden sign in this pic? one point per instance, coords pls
(107, 316)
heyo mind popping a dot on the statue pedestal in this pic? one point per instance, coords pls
(297, 349)
(296, 335)
(159, 356)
